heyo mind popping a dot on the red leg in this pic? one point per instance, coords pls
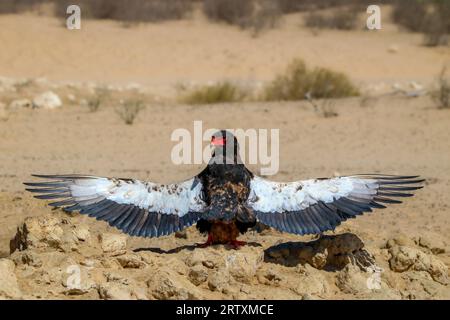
(208, 242)
(236, 243)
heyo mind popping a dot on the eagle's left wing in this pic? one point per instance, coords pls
(314, 206)
(138, 208)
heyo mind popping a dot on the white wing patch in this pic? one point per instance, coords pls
(268, 196)
(177, 198)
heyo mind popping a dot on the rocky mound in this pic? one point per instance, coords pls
(56, 257)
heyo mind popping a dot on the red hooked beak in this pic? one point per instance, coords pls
(218, 141)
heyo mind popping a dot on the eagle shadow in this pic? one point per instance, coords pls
(190, 247)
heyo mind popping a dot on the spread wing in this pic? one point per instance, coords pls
(137, 208)
(314, 206)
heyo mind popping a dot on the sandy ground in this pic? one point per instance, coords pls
(391, 134)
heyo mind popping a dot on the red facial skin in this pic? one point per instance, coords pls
(218, 141)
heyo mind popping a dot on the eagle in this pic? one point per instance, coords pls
(224, 200)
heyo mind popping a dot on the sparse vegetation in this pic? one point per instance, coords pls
(432, 18)
(94, 104)
(410, 14)
(217, 93)
(129, 109)
(251, 14)
(298, 81)
(97, 99)
(129, 11)
(437, 24)
(17, 6)
(442, 94)
(340, 19)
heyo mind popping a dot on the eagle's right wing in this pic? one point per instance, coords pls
(137, 208)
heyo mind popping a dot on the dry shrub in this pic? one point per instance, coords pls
(18, 6)
(217, 93)
(432, 18)
(437, 25)
(340, 19)
(299, 81)
(410, 14)
(247, 14)
(289, 6)
(129, 109)
(442, 95)
(94, 103)
(129, 11)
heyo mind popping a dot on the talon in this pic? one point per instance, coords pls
(208, 242)
(237, 244)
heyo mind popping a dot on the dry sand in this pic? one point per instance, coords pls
(392, 134)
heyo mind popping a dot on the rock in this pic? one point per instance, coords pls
(406, 258)
(9, 288)
(167, 284)
(19, 104)
(48, 231)
(121, 287)
(110, 263)
(47, 100)
(242, 266)
(115, 291)
(393, 48)
(431, 242)
(50, 258)
(38, 232)
(208, 258)
(365, 285)
(420, 285)
(195, 258)
(131, 261)
(351, 280)
(269, 277)
(28, 258)
(81, 232)
(399, 240)
(198, 275)
(311, 283)
(113, 243)
(116, 277)
(219, 281)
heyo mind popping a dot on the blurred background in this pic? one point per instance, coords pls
(179, 44)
